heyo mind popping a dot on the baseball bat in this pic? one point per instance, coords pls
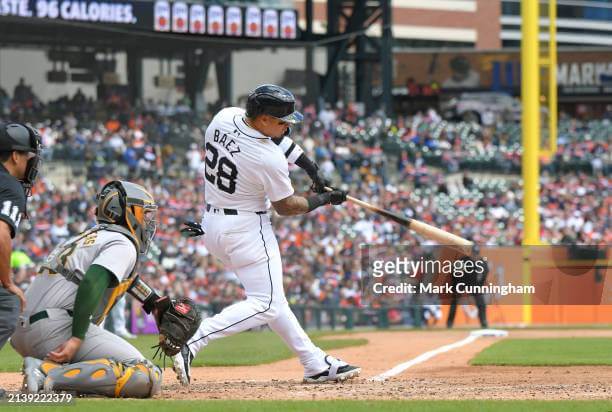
(430, 232)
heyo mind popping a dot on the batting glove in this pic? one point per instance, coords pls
(192, 229)
(337, 197)
(319, 183)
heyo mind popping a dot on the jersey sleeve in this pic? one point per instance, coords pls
(12, 203)
(275, 179)
(291, 149)
(118, 256)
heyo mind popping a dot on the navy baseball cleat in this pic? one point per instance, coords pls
(338, 371)
(181, 365)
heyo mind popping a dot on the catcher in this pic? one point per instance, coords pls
(59, 335)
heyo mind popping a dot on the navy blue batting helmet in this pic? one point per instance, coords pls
(274, 101)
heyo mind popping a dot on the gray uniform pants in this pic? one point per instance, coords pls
(9, 312)
(45, 335)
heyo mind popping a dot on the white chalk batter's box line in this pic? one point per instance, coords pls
(396, 370)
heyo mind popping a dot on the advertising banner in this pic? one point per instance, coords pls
(233, 21)
(161, 16)
(578, 72)
(197, 19)
(270, 24)
(215, 20)
(288, 23)
(253, 21)
(179, 17)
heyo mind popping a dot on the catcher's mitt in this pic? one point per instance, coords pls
(177, 321)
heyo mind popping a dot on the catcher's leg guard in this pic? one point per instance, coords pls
(130, 379)
(141, 379)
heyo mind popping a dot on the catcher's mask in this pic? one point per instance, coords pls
(131, 206)
(22, 138)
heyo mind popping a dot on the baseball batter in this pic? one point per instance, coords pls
(76, 287)
(247, 157)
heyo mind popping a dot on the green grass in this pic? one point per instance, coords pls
(243, 349)
(547, 352)
(261, 347)
(328, 406)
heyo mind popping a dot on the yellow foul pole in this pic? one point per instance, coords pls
(552, 76)
(530, 95)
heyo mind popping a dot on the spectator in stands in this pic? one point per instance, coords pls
(22, 93)
(327, 116)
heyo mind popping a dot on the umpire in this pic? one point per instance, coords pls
(471, 279)
(20, 147)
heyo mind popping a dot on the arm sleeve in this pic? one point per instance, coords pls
(291, 149)
(89, 294)
(275, 179)
(118, 257)
(307, 165)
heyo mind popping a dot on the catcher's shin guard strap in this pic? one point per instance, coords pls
(130, 379)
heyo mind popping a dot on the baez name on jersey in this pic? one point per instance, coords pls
(231, 146)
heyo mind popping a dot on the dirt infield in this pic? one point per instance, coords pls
(446, 376)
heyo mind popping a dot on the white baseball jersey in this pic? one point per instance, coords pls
(112, 250)
(244, 169)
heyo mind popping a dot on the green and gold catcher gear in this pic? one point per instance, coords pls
(131, 206)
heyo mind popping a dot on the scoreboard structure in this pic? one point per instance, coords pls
(190, 19)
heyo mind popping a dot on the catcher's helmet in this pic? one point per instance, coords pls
(274, 101)
(131, 206)
(22, 138)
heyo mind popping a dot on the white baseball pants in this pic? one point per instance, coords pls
(246, 244)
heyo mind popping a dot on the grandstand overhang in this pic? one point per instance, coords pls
(151, 29)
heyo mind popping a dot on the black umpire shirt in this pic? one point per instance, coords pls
(12, 200)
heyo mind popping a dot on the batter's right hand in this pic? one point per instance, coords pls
(192, 229)
(14, 289)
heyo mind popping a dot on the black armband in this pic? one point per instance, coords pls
(307, 165)
(317, 201)
(144, 293)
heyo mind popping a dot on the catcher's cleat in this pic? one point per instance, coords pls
(33, 377)
(338, 371)
(181, 365)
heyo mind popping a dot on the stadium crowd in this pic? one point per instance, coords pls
(402, 164)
